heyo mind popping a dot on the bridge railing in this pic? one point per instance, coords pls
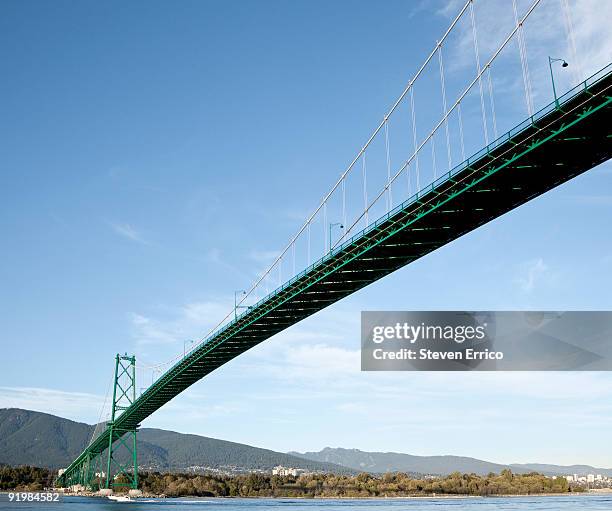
(164, 389)
(513, 132)
(414, 167)
(433, 65)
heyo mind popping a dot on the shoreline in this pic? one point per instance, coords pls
(593, 492)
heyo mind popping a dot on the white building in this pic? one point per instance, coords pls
(285, 471)
(590, 478)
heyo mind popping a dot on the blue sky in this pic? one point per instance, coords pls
(156, 157)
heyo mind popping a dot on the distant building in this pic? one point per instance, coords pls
(590, 478)
(61, 471)
(570, 479)
(286, 471)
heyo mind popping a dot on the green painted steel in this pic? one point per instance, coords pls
(125, 383)
(561, 141)
(101, 468)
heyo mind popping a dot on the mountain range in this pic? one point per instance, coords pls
(44, 440)
(380, 462)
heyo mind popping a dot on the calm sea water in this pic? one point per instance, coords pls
(565, 503)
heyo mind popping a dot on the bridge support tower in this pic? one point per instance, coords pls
(121, 473)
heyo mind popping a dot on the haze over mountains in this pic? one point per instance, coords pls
(380, 462)
(44, 440)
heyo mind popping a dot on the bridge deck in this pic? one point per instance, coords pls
(546, 150)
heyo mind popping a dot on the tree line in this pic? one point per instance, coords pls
(362, 485)
(25, 478)
(312, 485)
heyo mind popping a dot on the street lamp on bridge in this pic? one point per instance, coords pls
(331, 226)
(552, 77)
(185, 343)
(236, 306)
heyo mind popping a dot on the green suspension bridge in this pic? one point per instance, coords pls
(567, 137)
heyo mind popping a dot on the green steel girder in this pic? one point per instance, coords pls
(522, 164)
(125, 370)
(84, 473)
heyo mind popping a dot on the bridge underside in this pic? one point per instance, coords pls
(535, 157)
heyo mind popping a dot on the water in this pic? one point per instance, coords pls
(563, 503)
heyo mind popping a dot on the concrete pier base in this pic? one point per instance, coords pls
(105, 492)
(135, 493)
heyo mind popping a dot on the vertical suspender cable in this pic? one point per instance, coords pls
(414, 136)
(433, 156)
(389, 196)
(408, 179)
(477, 53)
(492, 102)
(461, 131)
(524, 63)
(325, 227)
(460, 98)
(365, 188)
(343, 207)
(96, 430)
(293, 254)
(308, 229)
(354, 163)
(443, 84)
(572, 41)
(523, 38)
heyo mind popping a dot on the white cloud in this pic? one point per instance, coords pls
(192, 414)
(321, 361)
(451, 8)
(216, 256)
(190, 321)
(264, 256)
(147, 330)
(78, 406)
(128, 232)
(546, 33)
(290, 376)
(533, 272)
(356, 408)
(591, 22)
